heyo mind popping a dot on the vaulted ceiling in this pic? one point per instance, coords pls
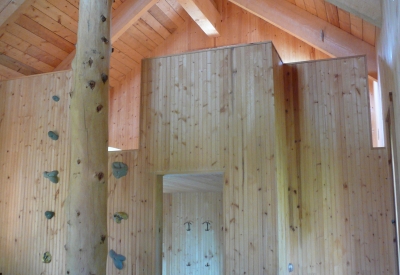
(39, 36)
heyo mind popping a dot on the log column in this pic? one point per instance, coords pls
(86, 208)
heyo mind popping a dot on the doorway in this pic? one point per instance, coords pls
(192, 222)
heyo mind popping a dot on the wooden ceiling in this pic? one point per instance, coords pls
(42, 33)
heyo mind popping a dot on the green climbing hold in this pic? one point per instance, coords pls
(119, 216)
(49, 214)
(56, 98)
(46, 257)
(120, 169)
(53, 135)
(52, 176)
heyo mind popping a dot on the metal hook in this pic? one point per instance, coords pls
(189, 224)
(208, 223)
(207, 265)
(188, 264)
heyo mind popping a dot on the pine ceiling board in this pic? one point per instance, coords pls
(292, 1)
(344, 20)
(179, 9)
(134, 44)
(164, 20)
(300, 4)
(44, 33)
(170, 12)
(310, 7)
(25, 58)
(332, 14)
(157, 26)
(369, 33)
(29, 49)
(356, 26)
(128, 51)
(321, 9)
(124, 59)
(114, 73)
(9, 73)
(75, 3)
(17, 65)
(66, 7)
(37, 41)
(50, 24)
(57, 15)
(149, 32)
(141, 37)
(113, 82)
(119, 66)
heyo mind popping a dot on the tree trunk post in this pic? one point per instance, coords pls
(86, 207)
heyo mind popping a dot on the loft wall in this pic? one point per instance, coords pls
(238, 27)
(27, 113)
(203, 250)
(340, 197)
(214, 111)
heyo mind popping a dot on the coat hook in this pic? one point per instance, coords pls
(188, 264)
(208, 223)
(188, 225)
(207, 265)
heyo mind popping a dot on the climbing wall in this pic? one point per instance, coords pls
(27, 114)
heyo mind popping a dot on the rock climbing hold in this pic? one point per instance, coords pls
(56, 98)
(120, 169)
(117, 259)
(46, 257)
(52, 176)
(49, 214)
(119, 216)
(53, 135)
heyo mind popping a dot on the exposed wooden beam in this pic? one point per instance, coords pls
(204, 13)
(311, 29)
(124, 17)
(12, 10)
(369, 10)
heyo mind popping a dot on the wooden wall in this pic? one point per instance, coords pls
(27, 113)
(237, 27)
(196, 247)
(213, 111)
(340, 197)
(389, 80)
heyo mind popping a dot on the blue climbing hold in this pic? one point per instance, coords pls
(117, 259)
(56, 98)
(49, 214)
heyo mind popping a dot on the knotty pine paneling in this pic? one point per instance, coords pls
(196, 247)
(27, 113)
(388, 49)
(214, 111)
(340, 196)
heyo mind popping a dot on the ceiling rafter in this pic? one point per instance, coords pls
(205, 14)
(311, 29)
(124, 17)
